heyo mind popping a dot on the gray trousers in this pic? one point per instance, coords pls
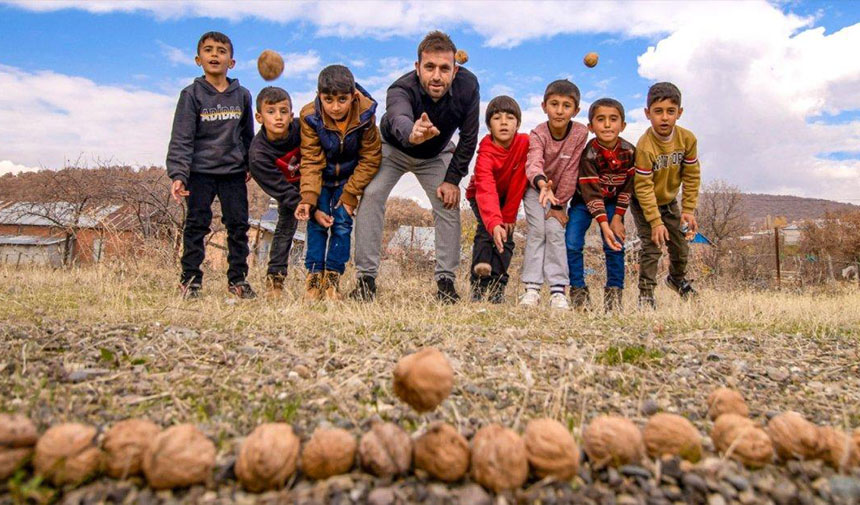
(545, 257)
(370, 215)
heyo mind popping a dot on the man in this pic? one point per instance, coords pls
(423, 110)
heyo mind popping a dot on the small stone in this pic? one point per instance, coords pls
(635, 471)
(694, 482)
(474, 494)
(847, 488)
(612, 477)
(822, 486)
(303, 371)
(716, 499)
(381, 496)
(740, 483)
(747, 497)
(649, 407)
(626, 499)
(673, 493)
(776, 374)
(785, 492)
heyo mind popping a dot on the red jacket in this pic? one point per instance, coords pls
(500, 181)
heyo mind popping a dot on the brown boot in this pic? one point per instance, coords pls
(612, 298)
(331, 285)
(314, 286)
(274, 285)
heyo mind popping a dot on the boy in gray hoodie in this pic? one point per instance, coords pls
(207, 157)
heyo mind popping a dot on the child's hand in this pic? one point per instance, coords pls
(500, 236)
(609, 236)
(422, 130)
(347, 207)
(659, 235)
(323, 219)
(617, 227)
(303, 212)
(560, 215)
(692, 226)
(178, 191)
(546, 194)
(510, 227)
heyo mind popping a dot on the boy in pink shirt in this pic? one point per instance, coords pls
(552, 168)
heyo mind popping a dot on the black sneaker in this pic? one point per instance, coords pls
(242, 290)
(365, 289)
(580, 298)
(682, 287)
(612, 299)
(190, 291)
(496, 293)
(445, 291)
(647, 301)
(478, 289)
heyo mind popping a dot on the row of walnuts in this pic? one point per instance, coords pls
(497, 457)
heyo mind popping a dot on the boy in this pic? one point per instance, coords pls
(341, 151)
(605, 188)
(207, 157)
(495, 193)
(274, 163)
(666, 157)
(551, 169)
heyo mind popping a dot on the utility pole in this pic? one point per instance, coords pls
(776, 246)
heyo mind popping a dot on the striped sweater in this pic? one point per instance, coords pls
(661, 167)
(606, 174)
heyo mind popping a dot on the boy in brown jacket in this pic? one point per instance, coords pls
(341, 151)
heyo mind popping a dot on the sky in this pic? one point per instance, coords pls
(770, 89)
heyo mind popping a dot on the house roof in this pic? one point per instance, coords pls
(61, 214)
(269, 226)
(29, 240)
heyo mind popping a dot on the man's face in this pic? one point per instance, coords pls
(503, 127)
(275, 117)
(559, 110)
(337, 105)
(214, 57)
(436, 72)
(606, 125)
(663, 115)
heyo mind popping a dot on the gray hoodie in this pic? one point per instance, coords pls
(211, 131)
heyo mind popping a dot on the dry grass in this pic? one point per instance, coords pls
(104, 343)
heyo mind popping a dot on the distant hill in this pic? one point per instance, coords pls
(758, 206)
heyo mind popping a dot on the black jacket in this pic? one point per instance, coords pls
(211, 131)
(275, 165)
(458, 109)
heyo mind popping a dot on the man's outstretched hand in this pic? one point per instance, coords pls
(178, 191)
(423, 130)
(449, 194)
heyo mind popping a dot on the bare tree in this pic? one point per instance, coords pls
(721, 218)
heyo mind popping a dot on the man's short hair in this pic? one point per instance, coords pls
(436, 42)
(272, 95)
(217, 37)
(605, 102)
(664, 91)
(336, 80)
(562, 87)
(503, 103)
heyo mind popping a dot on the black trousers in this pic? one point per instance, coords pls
(282, 241)
(232, 193)
(484, 251)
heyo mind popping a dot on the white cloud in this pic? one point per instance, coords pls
(8, 167)
(307, 64)
(49, 118)
(175, 55)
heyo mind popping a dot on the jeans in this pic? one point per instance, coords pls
(233, 195)
(328, 248)
(484, 251)
(580, 221)
(370, 215)
(282, 241)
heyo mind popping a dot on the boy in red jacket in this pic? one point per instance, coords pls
(495, 193)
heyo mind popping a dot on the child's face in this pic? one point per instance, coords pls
(436, 72)
(559, 110)
(663, 115)
(214, 57)
(503, 127)
(337, 105)
(275, 117)
(606, 125)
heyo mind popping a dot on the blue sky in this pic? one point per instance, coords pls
(767, 87)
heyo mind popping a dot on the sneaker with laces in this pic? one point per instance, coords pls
(647, 301)
(558, 301)
(365, 289)
(531, 298)
(242, 290)
(496, 292)
(580, 298)
(682, 287)
(190, 291)
(612, 298)
(445, 291)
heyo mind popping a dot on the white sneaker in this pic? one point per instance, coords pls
(558, 301)
(531, 298)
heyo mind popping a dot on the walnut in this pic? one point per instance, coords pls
(330, 451)
(442, 452)
(551, 449)
(17, 431)
(423, 379)
(461, 57)
(499, 459)
(68, 454)
(794, 437)
(614, 441)
(743, 440)
(726, 401)
(124, 445)
(179, 456)
(270, 64)
(670, 434)
(385, 450)
(268, 457)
